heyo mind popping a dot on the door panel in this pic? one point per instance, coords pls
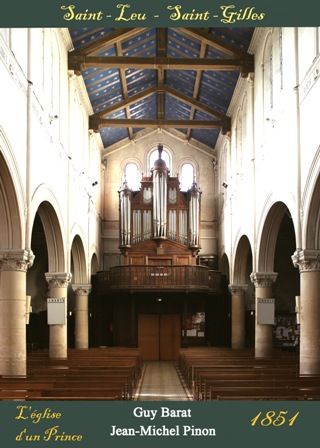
(148, 336)
(169, 337)
(159, 336)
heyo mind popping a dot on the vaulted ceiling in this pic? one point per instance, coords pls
(161, 78)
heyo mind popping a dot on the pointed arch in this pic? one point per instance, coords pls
(54, 238)
(310, 205)
(268, 238)
(243, 251)
(94, 264)
(11, 200)
(225, 266)
(80, 272)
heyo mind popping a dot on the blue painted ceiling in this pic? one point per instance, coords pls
(163, 91)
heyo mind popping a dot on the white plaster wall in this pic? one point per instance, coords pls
(283, 149)
(64, 159)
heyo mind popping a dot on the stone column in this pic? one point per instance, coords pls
(81, 316)
(238, 307)
(263, 282)
(58, 284)
(308, 262)
(13, 351)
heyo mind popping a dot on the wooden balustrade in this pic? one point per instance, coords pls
(173, 277)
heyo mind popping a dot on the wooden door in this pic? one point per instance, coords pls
(159, 336)
(170, 332)
(148, 336)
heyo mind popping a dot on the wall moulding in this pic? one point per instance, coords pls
(310, 80)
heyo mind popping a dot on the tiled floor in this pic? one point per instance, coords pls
(161, 381)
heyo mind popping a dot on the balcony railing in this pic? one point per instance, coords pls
(173, 277)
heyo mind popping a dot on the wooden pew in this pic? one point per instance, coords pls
(96, 374)
(219, 373)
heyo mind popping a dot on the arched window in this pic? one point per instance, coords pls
(131, 173)
(187, 176)
(165, 156)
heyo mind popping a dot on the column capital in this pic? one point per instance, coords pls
(237, 290)
(306, 260)
(59, 279)
(263, 279)
(81, 289)
(16, 260)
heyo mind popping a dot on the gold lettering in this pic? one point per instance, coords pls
(22, 408)
(87, 15)
(69, 15)
(175, 15)
(131, 16)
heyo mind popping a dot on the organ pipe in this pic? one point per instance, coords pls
(194, 214)
(160, 210)
(125, 215)
(160, 174)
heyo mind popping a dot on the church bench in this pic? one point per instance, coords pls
(87, 364)
(240, 366)
(93, 393)
(12, 395)
(22, 383)
(203, 378)
(260, 398)
(238, 363)
(84, 374)
(75, 398)
(92, 353)
(192, 378)
(269, 391)
(114, 387)
(126, 375)
(122, 383)
(198, 364)
(294, 383)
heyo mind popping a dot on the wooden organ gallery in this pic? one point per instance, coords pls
(159, 295)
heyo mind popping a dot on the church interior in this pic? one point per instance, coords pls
(159, 206)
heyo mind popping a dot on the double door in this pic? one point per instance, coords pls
(159, 336)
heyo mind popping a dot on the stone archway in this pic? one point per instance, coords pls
(274, 231)
(241, 292)
(57, 277)
(308, 262)
(15, 260)
(81, 288)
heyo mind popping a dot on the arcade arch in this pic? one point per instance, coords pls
(14, 263)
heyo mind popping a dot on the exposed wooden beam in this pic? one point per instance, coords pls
(213, 41)
(193, 103)
(196, 87)
(127, 102)
(161, 52)
(98, 123)
(124, 88)
(100, 44)
(242, 64)
(150, 91)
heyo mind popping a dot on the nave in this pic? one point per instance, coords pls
(161, 381)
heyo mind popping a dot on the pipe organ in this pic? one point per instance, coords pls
(125, 215)
(160, 211)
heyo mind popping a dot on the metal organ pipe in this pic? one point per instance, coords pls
(125, 215)
(160, 172)
(194, 214)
